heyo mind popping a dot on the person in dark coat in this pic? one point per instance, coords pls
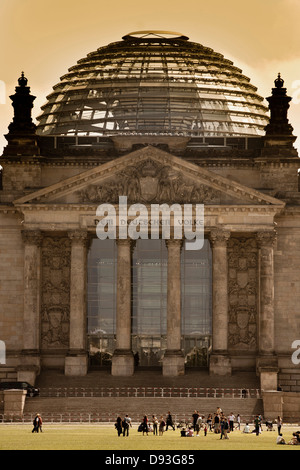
(170, 421)
(37, 424)
(118, 425)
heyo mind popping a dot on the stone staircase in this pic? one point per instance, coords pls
(107, 409)
(99, 397)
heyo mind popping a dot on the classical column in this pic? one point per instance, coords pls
(31, 321)
(267, 363)
(123, 360)
(173, 361)
(220, 363)
(76, 360)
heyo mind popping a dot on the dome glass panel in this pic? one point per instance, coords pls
(154, 83)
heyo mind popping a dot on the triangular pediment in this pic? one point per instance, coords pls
(147, 176)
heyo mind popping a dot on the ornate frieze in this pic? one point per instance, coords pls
(147, 182)
(219, 236)
(242, 293)
(32, 237)
(55, 302)
(267, 238)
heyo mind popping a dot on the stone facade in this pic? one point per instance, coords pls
(48, 206)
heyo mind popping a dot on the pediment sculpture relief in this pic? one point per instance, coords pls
(150, 182)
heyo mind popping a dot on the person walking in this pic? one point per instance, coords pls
(231, 422)
(224, 428)
(162, 426)
(170, 421)
(238, 419)
(118, 425)
(217, 423)
(195, 418)
(145, 425)
(257, 425)
(126, 425)
(279, 425)
(37, 424)
(199, 425)
(209, 422)
(155, 425)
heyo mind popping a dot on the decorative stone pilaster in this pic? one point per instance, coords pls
(123, 359)
(173, 361)
(266, 241)
(32, 279)
(267, 363)
(220, 363)
(76, 361)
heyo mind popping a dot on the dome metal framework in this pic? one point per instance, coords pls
(154, 83)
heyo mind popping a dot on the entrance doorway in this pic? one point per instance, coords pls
(149, 303)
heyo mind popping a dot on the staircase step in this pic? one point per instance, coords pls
(109, 408)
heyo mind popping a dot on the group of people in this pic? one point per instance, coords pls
(219, 424)
(37, 424)
(154, 425)
(123, 425)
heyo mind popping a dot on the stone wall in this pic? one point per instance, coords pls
(1, 402)
(289, 380)
(287, 289)
(283, 404)
(11, 283)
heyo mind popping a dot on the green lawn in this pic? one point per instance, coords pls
(102, 437)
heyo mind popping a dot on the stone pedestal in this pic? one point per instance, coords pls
(267, 369)
(273, 404)
(173, 361)
(14, 402)
(123, 363)
(76, 365)
(28, 373)
(220, 363)
(123, 359)
(76, 362)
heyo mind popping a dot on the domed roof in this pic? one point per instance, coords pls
(154, 83)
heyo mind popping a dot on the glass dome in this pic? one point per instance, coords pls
(154, 83)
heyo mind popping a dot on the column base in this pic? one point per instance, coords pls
(30, 366)
(267, 369)
(220, 364)
(173, 363)
(27, 373)
(76, 365)
(122, 363)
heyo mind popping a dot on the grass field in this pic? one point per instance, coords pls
(103, 437)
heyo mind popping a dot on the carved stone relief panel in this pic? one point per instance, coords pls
(55, 292)
(148, 182)
(242, 293)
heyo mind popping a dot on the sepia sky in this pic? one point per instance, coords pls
(46, 37)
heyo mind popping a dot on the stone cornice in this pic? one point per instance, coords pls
(92, 208)
(187, 169)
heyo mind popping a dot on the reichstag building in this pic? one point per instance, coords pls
(159, 119)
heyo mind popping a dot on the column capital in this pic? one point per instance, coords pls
(174, 242)
(266, 238)
(219, 236)
(32, 237)
(78, 236)
(126, 242)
